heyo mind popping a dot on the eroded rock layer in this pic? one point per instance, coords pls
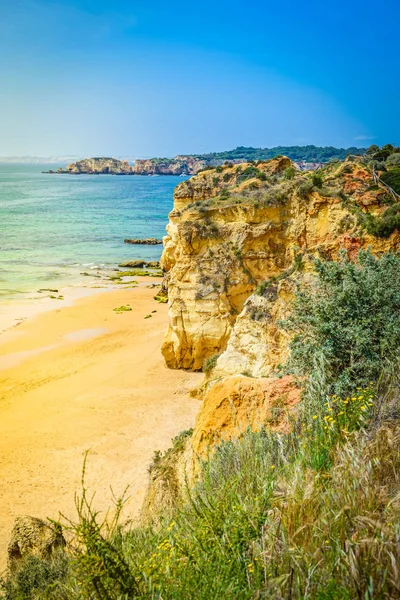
(235, 227)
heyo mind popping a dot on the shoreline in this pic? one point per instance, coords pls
(85, 377)
(17, 309)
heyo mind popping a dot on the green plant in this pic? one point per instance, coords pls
(392, 178)
(317, 180)
(305, 188)
(344, 322)
(210, 363)
(289, 173)
(37, 578)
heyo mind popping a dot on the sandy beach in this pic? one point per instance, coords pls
(83, 377)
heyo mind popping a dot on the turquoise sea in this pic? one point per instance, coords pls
(55, 227)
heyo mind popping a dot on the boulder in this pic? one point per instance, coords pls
(33, 536)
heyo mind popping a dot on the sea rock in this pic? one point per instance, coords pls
(141, 264)
(98, 166)
(169, 166)
(33, 536)
(231, 231)
(145, 241)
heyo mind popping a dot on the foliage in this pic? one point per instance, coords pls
(383, 225)
(289, 173)
(392, 178)
(317, 180)
(345, 321)
(296, 153)
(394, 160)
(305, 188)
(210, 363)
(36, 578)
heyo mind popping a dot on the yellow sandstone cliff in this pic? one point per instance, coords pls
(233, 228)
(239, 240)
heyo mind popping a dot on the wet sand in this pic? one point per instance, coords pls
(80, 378)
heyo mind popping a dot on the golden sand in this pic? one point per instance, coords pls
(81, 378)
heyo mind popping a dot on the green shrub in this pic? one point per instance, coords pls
(392, 178)
(394, 160)
(317, 180)
(289, 173)
(248, 173)
(37, 578)
(210, 363)
(305, 188)
(345, 322)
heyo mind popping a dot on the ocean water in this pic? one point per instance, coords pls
(53, 228)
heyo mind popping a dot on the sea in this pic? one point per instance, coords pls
(60, 230)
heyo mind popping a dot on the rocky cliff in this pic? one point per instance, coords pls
(97, 166)
(169, 166)
(232, 230)
(239, 241)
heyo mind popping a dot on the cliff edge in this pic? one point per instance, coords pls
(233, 229)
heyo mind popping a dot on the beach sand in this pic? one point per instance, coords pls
(80, 378)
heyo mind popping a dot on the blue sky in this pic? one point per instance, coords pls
(128, 78)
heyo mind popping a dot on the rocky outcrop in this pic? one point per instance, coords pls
(98, 166)
(144, 242)
(169, 166)
(168, 476)
(236, 403)
(32, 536)
(141, 264)
(233, 229)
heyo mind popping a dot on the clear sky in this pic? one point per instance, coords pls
(157, 78)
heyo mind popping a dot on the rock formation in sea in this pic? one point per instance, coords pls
(98, 166)
(144, 241)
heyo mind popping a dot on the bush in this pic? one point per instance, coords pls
(394, 160)
(345, 322)
(37, 578)
(305, 188)
(392, 178)
(289, 173)
(210, 363)
(317, 180)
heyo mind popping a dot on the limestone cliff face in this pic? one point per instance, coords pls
(237, 402)
(97, 166)
(168, 166)
(232, 229)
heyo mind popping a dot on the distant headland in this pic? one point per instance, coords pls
(306, 157)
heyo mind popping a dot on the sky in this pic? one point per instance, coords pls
(139, 79)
